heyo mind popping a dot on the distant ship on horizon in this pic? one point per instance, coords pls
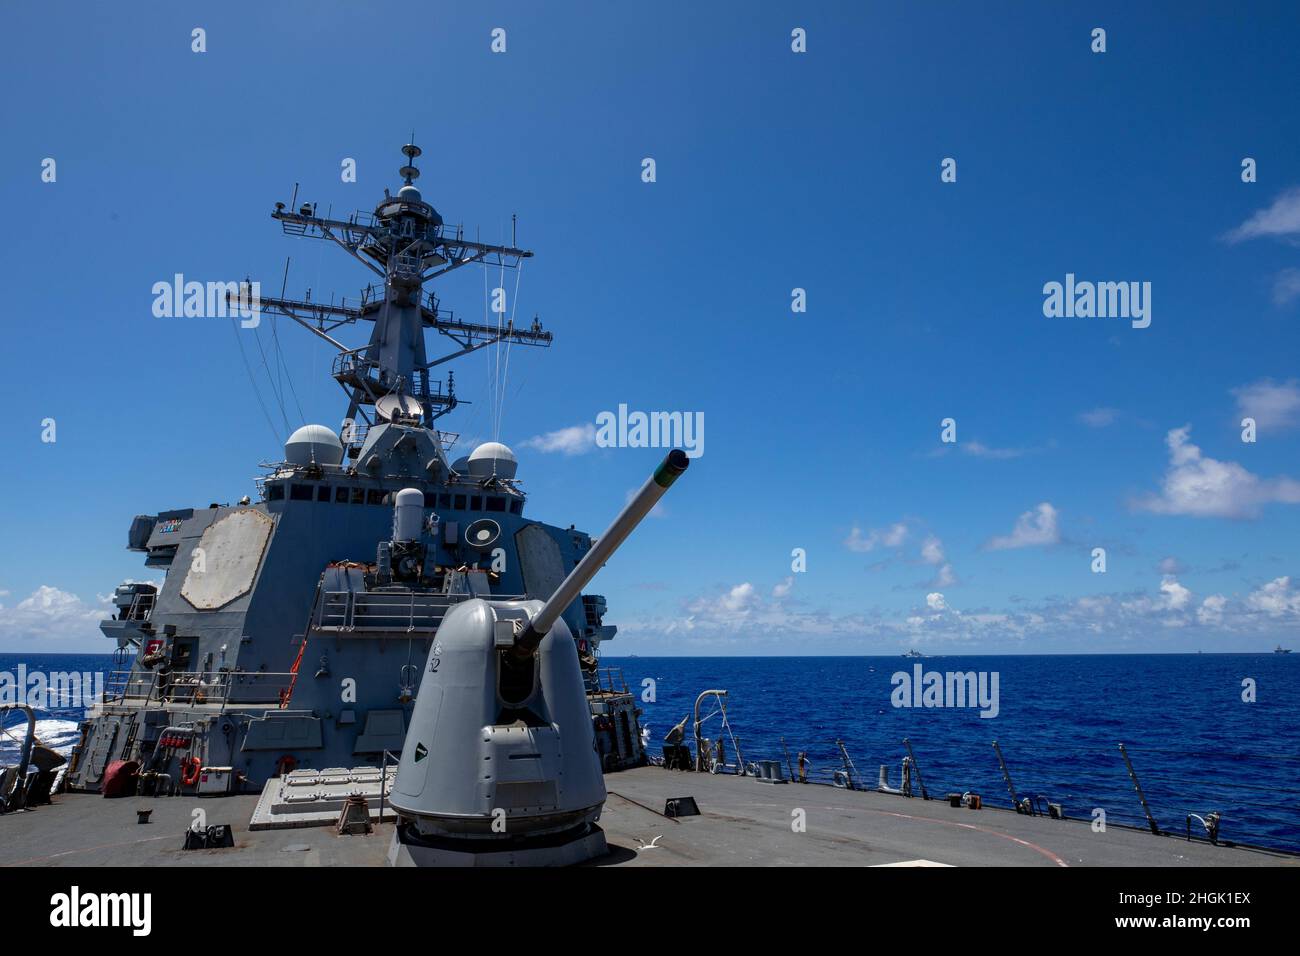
(1281, 650)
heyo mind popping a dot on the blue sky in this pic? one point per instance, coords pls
(775, 170)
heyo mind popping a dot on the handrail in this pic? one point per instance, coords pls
(383, 780)
(345, 611)
(198, 687)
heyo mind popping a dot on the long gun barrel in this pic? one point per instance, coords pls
(669, 470)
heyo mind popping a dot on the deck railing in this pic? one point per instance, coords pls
(343, 611)
(196, 687)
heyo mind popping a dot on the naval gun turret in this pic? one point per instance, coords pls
(499, 765)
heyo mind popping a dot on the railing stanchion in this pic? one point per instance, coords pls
(1015, 801)
(907, 742)
(1151, 821)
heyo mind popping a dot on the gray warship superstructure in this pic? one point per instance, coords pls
(291, 629)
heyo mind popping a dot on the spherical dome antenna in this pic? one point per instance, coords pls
(493, 458)
(313, 444)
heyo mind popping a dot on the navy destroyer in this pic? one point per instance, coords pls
(385, 644)
(292, 627)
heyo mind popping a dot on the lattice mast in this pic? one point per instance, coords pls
(406, 243)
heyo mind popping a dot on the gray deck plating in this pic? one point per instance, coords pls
(742, 823)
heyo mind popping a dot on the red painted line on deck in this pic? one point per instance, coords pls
(967, 826)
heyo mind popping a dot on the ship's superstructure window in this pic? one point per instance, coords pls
(323, 493)
(496, 504)
(517, 507)
(341, 495)
(444, 500)
(375, 496)
(460, 503)
(431, 499)
(358, 496)
(300, 493)
(476, 503)
(274, 492)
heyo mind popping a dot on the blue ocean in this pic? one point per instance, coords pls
(1194, 743)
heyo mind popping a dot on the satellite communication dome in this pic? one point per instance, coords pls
(492, 458)
(313, 443)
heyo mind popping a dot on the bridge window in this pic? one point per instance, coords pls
(517, 507)
(323, 493)
(496, 504)
(341, 495)
(375, 496)
(476, 503)
(301, 493)
(444, 500)
(274, 492)
(430, 499)
(460, 503)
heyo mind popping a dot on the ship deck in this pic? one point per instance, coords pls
(742, 822)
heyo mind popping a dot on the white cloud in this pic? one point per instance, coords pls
(783, 588)
(1271, 404)
(574, 440)
(1033, 528)
(1210, 612)
(890, 537)
(1286, 286)
(1280, 220)
(1201, 486)
(945, 577)
(932, 550)
(981, 450)
(1174, 596)
(1099, 417)
(738, 598)
(1277, 598)
(742, 618)
(50, 616)
(1171, 565)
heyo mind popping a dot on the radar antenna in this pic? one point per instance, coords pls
(406, 243)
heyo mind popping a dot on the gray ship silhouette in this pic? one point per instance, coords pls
(291, 630)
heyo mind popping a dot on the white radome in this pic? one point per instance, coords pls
(493, 458)
(313, 443)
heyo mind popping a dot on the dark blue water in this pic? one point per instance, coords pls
(1195, 745)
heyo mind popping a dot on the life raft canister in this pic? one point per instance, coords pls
(190, 771)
